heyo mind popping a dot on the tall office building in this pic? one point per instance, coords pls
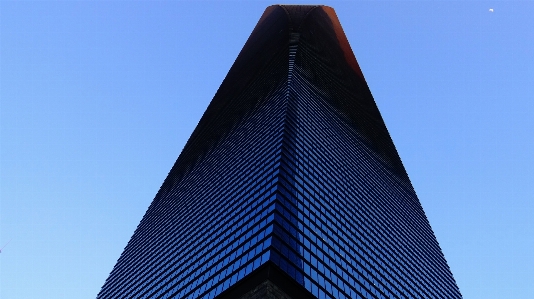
(289, 187)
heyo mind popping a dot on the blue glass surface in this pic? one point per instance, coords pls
(295, 168)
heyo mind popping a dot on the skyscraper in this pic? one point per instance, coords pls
(289, 187)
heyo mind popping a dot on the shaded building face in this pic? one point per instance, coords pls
(289, 187)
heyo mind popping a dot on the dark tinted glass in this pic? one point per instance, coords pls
(290, 165)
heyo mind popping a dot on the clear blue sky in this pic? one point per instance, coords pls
(98, 99)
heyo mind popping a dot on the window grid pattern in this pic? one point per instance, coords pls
(211, 221)
(199, 248)
(290, 164)
(349, 212)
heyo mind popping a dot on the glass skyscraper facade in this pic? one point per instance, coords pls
(290, 183)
